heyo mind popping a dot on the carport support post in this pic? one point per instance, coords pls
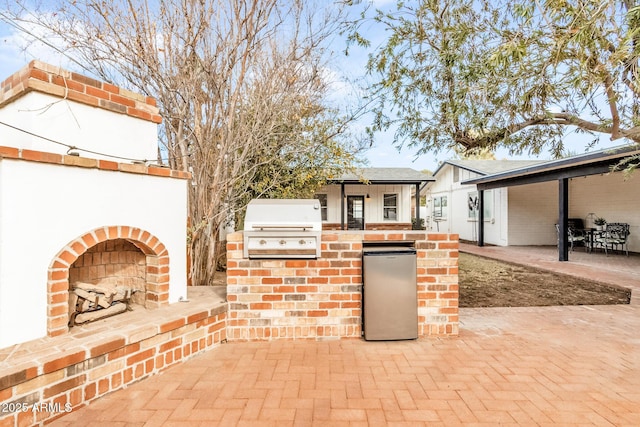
(418, 206)
(342, 206)
(480, 217)
(563, 215)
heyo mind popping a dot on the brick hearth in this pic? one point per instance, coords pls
(95, 359)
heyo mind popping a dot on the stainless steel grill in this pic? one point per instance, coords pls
(282, 228)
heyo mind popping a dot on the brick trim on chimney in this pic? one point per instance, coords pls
(41, 77)
(86, 162)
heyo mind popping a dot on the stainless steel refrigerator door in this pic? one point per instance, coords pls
(390, 302)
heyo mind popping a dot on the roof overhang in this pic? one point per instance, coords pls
(461, 166)
(583, 165)
(380, 182)
(376, 176)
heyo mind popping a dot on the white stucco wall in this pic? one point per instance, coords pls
(442, 186)
(373, 208)
(78, 125)
(457, 217)
(43, 207)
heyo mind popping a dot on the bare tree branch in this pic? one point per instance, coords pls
(245, 109)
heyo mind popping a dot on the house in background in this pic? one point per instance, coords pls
(371, 199)
(522, 201)
(452, 207)
(78, 202)
(583, 186)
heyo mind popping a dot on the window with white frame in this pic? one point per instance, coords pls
(390, 207)
(440, 207)
(323, 205)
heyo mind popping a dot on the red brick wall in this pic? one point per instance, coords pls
(332, 226)
(85, 162)
(388, 226)
(291, 299)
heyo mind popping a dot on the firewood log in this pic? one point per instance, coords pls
(99, 314)
(95, 298)
(102, 288)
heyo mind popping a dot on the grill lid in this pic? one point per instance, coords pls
(282, 228)
(283, 214)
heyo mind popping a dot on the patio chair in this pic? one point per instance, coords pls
(574, 236)
(575, 223)
(615, 234)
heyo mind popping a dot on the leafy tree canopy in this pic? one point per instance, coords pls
(479, 74)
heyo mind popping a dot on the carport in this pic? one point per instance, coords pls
(561, 170)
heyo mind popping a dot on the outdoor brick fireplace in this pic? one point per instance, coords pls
(114, 262)
(112, 234)
(109, 255)
(86, 208)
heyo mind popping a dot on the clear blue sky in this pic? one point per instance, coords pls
(382, 154)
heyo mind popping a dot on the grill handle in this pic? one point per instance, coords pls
(281, 226)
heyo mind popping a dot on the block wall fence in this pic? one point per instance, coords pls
(322, 298)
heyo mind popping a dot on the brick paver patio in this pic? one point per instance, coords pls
(571, 366)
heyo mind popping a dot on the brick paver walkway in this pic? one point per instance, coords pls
(546, 366)
(570, 366)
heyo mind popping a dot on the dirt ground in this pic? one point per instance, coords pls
(489, 283)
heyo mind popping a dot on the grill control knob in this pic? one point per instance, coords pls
(302, 242)
(263, 242)
(283, 242)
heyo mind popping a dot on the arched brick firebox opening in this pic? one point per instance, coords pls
(156, 269)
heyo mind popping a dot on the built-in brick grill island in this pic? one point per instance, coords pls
(287, 279)
(283, 228)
